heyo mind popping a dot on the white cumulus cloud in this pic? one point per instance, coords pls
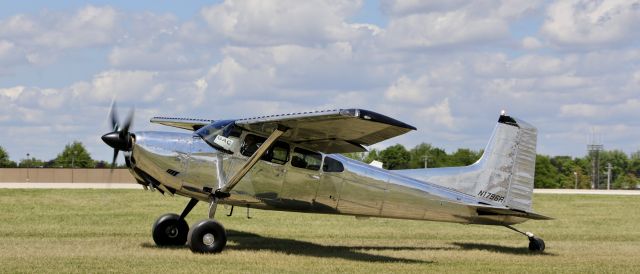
(592, 23)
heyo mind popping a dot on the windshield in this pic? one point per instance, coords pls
(217, 134)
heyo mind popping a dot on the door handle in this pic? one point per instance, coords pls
(315, 177)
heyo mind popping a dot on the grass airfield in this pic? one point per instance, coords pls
(89, 231)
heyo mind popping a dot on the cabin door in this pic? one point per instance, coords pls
(301, 182)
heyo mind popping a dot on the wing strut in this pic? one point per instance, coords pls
(235, 179)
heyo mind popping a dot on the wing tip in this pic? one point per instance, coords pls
(375, 117)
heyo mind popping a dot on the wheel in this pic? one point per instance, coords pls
(207, 236)
(536, 244)
(169, 230)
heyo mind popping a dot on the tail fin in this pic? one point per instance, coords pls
(504, 173)
(508, 164)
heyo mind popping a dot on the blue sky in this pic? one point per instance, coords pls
(571, 68)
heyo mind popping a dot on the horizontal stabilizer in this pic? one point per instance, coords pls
(498, 211)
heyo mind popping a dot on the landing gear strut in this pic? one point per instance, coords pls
(535, 244)
(206, 236)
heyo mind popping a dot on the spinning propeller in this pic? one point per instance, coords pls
(120, 138)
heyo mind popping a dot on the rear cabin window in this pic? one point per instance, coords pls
(332, 165)
(306, 159)
(278, 153)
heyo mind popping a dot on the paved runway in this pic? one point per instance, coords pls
(588, 191)
(72, 185)
(137, 186)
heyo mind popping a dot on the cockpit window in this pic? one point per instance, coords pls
(332, 165)
(278, 153)
(307, 159)
(217, 134)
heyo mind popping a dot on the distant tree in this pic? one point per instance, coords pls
(74, 155)
(102, 164)
(372, 155)
(551, 172)
(31, 162)
(584, 181)
(634, 166)
(438, 158)
(546, 175)
(464, 157)
(565, 167)
(626, 181)
(418, 154)
(395, 157)
(50, 164)
(4, 159)
(635, 155)
(356, 155)
(619, 162)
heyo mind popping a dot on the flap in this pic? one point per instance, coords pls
(183, 123)
(330, 131)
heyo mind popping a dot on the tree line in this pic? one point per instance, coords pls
(551, 171)
(74, 155)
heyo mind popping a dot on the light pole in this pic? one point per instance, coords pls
(609, 167)
(27, 162)
(575, 174)
(73, 158)
(426, 159)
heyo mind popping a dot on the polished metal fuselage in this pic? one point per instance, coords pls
(359, 190)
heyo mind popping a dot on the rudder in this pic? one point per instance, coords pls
(509, 160)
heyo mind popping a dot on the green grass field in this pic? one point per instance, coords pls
(87, 231)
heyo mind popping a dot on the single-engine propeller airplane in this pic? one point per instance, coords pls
(291, 162)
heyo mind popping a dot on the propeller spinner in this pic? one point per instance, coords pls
(120, 138)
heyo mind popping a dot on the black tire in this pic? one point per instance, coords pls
(207, 236)
(536, 244)
(169, 230)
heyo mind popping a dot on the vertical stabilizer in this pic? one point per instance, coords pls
(510, 159)
(504, 173)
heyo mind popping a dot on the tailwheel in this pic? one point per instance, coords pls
(170, 230)
(536, 244)
(207, 236)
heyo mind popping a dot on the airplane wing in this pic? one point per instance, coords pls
(183, 123)
(330, 131)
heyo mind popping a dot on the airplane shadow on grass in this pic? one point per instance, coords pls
(253, 242)
(501, 249)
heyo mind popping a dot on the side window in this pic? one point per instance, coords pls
(303, 158)
(332, 165)
(278, 153)
(251, 144)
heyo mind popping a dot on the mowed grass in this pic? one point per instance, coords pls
(88, 231)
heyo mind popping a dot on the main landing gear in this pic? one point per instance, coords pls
(535, 244)
(206, 236)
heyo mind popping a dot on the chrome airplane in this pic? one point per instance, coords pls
(291, 162)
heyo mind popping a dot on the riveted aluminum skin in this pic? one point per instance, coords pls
(442, 194)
